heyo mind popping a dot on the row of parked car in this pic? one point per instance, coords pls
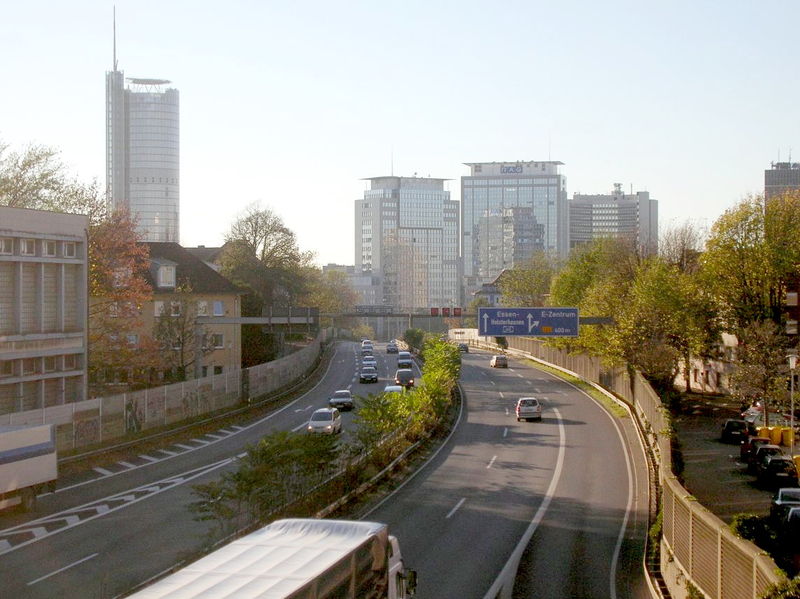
(772, 467)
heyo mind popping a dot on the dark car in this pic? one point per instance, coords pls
(760, 457)
(404, 377)
(368, 374)
(391, 348)
(341, 399)
(463, 347)
(777, 470)
(735, 430)
(750, 445)
(782, 501)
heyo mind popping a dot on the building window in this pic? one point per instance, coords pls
(205, 371)
(202, 308)
(69, 250)
(158, 309)
(50, 248)
(6, 246)
(29, 365)
(217, 369)
(49, 363)
(175, 308)
(219, 308)
(133, 339)
(166, 276)
(113, 310)
(69, 362)
(28, 247)
(6, 368)
(121, 277)
(218, 340)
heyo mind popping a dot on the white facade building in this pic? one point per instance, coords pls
(142, 153)
(406, 233)
(633, 217)
(43, 309)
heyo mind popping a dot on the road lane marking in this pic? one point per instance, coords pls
(505, 430)
(128, 465)
(186, 447)
(80, 561)
(102, 471)
(297, 428)
(458, 505)
(169, 453)
(489, 465)
(148, 458)
(502, 396)
(507, 412)
(513, 561)
(492, 382)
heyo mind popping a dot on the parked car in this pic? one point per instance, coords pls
(463, 347)
(749, 446)
(777, 470)
(368, 374)
(528, 408)
(761, 455)
(784, 499)
(341, 399)
(498, 362)
(325, 420)
(404, 377)
(735, 430)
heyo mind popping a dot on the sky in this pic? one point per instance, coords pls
(291, 104)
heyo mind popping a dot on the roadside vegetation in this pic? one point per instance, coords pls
(288, 474)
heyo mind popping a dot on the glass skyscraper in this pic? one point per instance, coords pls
(142, 157)
(406, 231)
(488, 195)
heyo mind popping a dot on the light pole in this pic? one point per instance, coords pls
(792, 366)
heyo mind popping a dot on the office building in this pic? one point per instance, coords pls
(406, 233)
(43, 309)
(781, 177)
(142, 158)
(489, 195)
(617, 214)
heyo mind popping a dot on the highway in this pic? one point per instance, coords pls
(458, 520)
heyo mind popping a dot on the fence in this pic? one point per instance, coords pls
(696, 545)
(101, 419)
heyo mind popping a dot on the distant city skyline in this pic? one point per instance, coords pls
(292, 106)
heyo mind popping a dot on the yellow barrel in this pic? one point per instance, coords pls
(763, 431)
(796, 462)
(786, 436)
(775, 433)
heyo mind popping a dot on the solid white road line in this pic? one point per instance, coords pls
(297, 428)
(489, 465)
(80, 561)
(458, 505)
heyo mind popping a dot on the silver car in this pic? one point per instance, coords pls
(528, 408)
(325, 420)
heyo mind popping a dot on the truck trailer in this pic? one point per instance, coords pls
(297, 558)
(28, 464)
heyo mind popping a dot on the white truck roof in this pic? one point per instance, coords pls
(269, 563)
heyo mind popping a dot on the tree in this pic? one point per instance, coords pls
(752, 253)
(331, 292)
(527, 284)
(681, 246)
(177, 335)
(761, 368)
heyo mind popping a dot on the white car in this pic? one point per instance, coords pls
(369, 361)
(394, 389)
(528, 408)
(325, 420)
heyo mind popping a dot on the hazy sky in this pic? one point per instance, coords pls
(291, 104)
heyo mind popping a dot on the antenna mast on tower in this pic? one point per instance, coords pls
(115, 36)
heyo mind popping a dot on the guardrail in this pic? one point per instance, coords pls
(697, 547)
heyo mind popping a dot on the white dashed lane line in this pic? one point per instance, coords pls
(491, 462)
(455, 509)
(102, 471)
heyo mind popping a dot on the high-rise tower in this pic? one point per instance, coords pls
(142, 152)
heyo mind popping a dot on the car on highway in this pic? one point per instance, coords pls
(777, 471)
(366, 350)
(735, 430)
(404, 377)
(368, 374)
(760, 456)
(783, 500)
(463, 348)
(498, 362)
(369, 361)
(391, 348)
(393, 389)
(528, 408)
(326, 421)
(342, 399)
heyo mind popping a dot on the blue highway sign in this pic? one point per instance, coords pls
(528, 322)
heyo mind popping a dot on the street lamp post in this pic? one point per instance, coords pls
(792, 366)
